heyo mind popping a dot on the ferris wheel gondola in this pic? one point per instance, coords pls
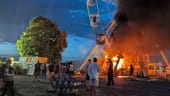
(91, 2)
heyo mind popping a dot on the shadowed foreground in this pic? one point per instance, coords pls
(24, 86)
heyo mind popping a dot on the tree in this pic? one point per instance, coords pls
(38, 41)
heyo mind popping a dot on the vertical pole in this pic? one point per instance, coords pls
(89, 56)
(164, 57)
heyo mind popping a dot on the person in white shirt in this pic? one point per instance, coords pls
(93, 72)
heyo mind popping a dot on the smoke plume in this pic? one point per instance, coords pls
(143, 25)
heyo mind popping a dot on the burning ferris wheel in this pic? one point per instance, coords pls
(139, 37)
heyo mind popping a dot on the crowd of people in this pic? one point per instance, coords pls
(44, 70)
(48, 71)
(41, 71)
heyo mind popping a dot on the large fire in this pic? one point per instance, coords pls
(143, 26)
(104, 63)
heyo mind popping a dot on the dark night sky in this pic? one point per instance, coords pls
(15, 15)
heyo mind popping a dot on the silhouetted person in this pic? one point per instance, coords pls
(87, 76)
(8, 73)
(131, 70)
(51, 69)
(43, 70)
(37, 71)
(110, 73)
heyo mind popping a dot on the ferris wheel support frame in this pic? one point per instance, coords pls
(112, 26)
(106, 31)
